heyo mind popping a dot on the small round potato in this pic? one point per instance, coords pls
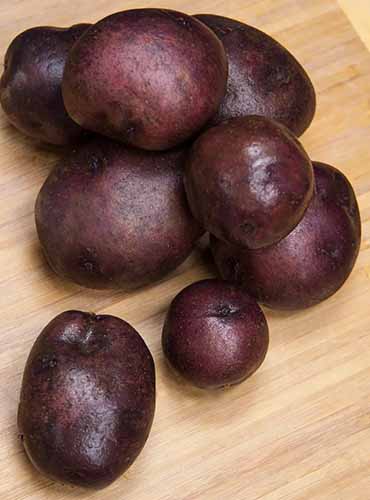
(109, 216)
(151, 78)
(248, 181)
(215, 334)
(313, 261)
(264, 78)
(30, 87)
(87, 400)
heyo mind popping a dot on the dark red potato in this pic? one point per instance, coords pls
(109, 216)
(248, 181)
(313, 261)
(215, 334)
(151, 78)
(264, 78)
(30, 87)
(87, 399)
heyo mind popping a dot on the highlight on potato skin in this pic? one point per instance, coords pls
(215, 334)
(30, 87)
(110, 216)
(313, 261)
(151, 78)
(87, 399)
(264, 77)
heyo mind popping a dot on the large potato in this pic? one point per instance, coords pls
(148, 77)
(313, 261)
(264, 78)
(248, 181)
(30, 87)
(111, 216)
(87, 399)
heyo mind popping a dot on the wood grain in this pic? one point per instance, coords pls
(300, 428)
(358, 12)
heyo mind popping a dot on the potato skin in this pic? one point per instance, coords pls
(151, 78)
(215, 334)
(87, 400)
(30, 87)
(313, 261)
(264, 78)
(248, 181)
(109, 216)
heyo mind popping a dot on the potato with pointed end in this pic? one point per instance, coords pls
(215, 334)
(30, 87)
(109, 216)
(248, 181)
(264, 78)
(313, 261)
(151, 78)
(87, 399)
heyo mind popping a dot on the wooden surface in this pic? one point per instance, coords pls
(300, 428)
(358, 12)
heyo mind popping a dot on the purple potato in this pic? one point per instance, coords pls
(264, 78)
(109, 216)
(215, 334)
(151, 78)
(87, 400)
(248, 181)
(313, 261)
(30, 87)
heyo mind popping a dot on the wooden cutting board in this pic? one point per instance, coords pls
(300, 428)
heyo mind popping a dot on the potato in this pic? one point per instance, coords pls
(264, 78)
(313, 261)
(30, 87)
(87, 399)
(151, 78)
(113, 217)
(215, 334)
(248, 181)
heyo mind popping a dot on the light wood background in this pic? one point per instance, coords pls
(358, 12)
(300, 428)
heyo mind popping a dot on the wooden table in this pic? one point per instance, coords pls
(300, 428)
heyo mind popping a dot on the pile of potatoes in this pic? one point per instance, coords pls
(174, 126)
